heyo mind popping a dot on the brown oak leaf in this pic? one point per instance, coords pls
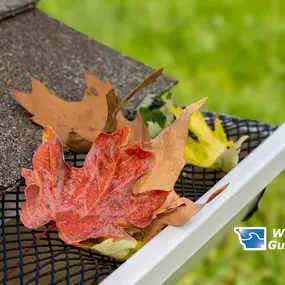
(168, 148)
(177, 216)
(79, 123)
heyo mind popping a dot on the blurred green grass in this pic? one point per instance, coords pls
(233, 52)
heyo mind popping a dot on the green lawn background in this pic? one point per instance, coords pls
(230, 50)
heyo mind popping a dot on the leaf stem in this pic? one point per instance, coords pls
(115, 104)
(144, 83)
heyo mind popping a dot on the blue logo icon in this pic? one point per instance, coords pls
(252, 238)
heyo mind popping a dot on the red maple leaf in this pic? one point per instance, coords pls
(96, 200)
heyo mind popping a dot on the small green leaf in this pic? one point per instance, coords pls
(154, 115)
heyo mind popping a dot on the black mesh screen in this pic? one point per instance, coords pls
(50, 261)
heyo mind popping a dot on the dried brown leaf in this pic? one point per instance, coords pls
(168, 147)
(179, 216)
(79, 123)
(172, 202)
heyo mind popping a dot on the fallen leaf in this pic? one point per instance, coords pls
(93, 201)
(153, 116)
(178, 216)
(77, 143)
(136, 233)
(154, 129)
(212, 149)
(120, 250)
(168, 148)
(147, 101)
(158, 119)
(228, 159)
(172, 202)
(79, 123)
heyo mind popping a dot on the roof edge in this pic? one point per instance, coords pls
(11, 8)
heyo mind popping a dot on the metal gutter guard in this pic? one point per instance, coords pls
(176, 249)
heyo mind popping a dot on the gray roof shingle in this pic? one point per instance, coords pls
(33, 44)
(10, 8)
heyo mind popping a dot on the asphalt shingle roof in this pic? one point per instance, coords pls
(33, 44)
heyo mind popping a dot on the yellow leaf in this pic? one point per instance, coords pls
(120, 250)
(212, 149)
